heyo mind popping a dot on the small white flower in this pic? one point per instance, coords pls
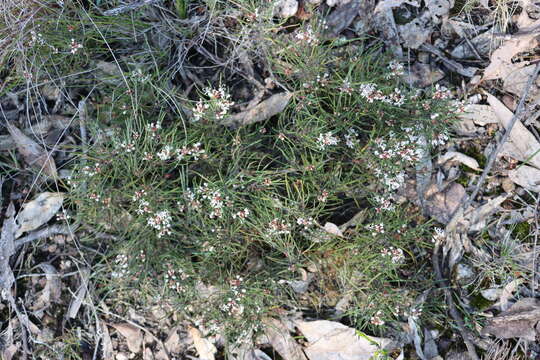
(327, 139)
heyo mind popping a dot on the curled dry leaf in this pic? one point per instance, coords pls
(277, 335)
(527, 177)
(132, 334)
(441, 204)
(38, 211)
(263, 111)
(333, 229)
(205, 348)
(461, 158)
(52, 291)
(33, 154)
(329, 340)
(518, 322)
(522, 145)
(501, 64)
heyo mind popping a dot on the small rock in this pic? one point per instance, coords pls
(491, 294)
(508, 185)
(286, 8)
(122, 356)
(463, 273)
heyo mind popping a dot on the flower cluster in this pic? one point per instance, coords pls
(351, 138)
(376, 228)
(214, 199)
(383, 203)
(372, 94)
(308, 36)
(441, 93)
(439, 235)
(305, 222)
(75, 46)
(233, 306)
(219, 102)
(395, 254)
(91, 170)
(346, 88)
(184, 153)
(242, 214)
(326, 139)
(121, 266)
(278, 227)
(161, 221)
(396, 69)
(174, 277)
(153, 129)
(376, 319)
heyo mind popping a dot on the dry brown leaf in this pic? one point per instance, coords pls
(481, 115)
(522, 145)
(205, 348)
(52, 291)
(517, 80)
(132, 334)
(173, 344)
(32, 153)
(333, 229)
(441, 204)
(527, 177)
(277, 335)
(38, 211)
(507, 293)
(329, 340)
(517, 322)
(461, 158)
(263, 111)
(501, 60)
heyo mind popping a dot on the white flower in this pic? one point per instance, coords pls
(165, 153)
(327, 139)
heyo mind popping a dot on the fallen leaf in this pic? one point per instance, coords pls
(481, 115)
(205, 348)
(477, 220)
(441, 204)
(385, 5)
(329, 340)
(10, 351)
(461, 158)
(522, 145)
(507, 293)
(333, 229)
(501, 64)
(439, 9)
(527, 177)
(277, 335)
(416, 32)
(32, 153)
(173, 344)
(342, 17)
(260, 112)
(517, 322)
(517, 80)
(38, 211)
(52, 291)
(132, 334)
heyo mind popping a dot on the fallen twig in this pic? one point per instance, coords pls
(44, 233)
